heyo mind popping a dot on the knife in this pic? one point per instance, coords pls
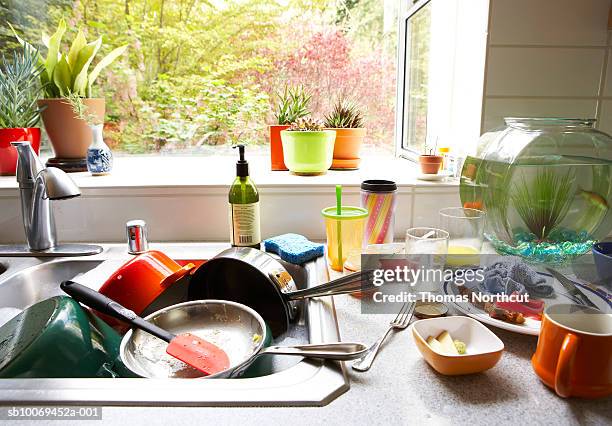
(571, 288)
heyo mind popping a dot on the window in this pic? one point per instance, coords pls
(200, 75)
(414, 87)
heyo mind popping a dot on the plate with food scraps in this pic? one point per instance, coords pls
(521, 317)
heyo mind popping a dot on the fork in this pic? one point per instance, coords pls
(400, 322)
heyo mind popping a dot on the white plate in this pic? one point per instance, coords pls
(433, 177)
(530, 326)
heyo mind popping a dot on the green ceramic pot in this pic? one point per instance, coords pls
(58, 338)
(308, 153)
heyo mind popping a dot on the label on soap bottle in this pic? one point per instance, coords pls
(244, 224)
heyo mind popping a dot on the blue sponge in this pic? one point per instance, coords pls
(294, 248)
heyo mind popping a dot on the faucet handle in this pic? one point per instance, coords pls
(137, 236)
(28, 163)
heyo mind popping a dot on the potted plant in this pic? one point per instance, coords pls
(307, 147)
(430, 162)
(67, 74)
(20, 89)
(346, 118)
(293, 104)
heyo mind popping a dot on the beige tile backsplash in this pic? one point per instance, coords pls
(548, 58)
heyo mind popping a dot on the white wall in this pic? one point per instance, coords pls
(548, 58)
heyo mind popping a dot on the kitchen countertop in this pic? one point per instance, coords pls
(401, 388)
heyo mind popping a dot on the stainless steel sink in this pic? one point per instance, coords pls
(304, 382)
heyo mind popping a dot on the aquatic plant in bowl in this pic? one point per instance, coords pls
(546, 185)
(307, 147)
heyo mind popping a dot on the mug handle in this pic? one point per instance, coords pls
(565, 364)
(171, 279)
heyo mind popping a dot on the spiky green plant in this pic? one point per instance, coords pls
(293, 104)
(68, 72)
(306, 124)
(544, 202)
(344, 115)
(20, 90)
(80, 109)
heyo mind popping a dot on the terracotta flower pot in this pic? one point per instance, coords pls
(8, 153)
(347, 148)
(69, 135)
(430, 164)
(276, 147)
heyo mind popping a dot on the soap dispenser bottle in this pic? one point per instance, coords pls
(244, 207)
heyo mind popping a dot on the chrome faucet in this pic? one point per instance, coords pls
(38, 186)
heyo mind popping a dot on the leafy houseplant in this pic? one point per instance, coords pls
(293, 104)
(20, 90)
(346, 118)
(68, 74)
(308, 148)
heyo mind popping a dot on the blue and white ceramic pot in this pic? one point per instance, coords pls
(99, 155)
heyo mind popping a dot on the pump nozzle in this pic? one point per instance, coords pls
(242, 166)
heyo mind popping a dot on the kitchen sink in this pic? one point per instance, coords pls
(289, 382)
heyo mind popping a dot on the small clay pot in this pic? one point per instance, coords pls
(430, 164)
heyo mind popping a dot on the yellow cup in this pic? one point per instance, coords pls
(344, 234)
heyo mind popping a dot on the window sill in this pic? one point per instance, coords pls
(211, 172)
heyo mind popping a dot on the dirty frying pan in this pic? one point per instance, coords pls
(256, 279)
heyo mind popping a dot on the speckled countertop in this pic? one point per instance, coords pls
(401, 388)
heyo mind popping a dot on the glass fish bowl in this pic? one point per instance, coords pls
(545, 184)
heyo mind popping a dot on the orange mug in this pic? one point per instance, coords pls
(574, 353)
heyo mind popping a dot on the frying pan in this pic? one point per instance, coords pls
(235, 328)
(256, 279)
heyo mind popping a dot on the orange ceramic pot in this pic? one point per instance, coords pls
(574, 352)
(8, 153)
(347, 148)
(141, 280)
(69, 135)
(276, 147)
(430, 164)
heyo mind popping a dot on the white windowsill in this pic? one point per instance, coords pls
(194, 172)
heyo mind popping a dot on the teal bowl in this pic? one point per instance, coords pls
(58, 338)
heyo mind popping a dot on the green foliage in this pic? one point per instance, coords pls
(306, 124)
(344, 115)
(544, 203)
(20, 89)
(68, 73)
(293, 104)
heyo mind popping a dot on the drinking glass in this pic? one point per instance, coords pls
(426, 249)
(466, 233)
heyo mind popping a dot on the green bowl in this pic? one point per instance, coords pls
(308, 153)
(58, 338)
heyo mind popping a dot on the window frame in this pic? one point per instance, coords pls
(406, 12)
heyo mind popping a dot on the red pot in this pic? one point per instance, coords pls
(276, 147)
(8, 153)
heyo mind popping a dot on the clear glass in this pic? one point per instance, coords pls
(545, 184)
(425, 240)
(465, 227)
(426, 249)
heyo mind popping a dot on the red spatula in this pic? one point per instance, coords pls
(192, 350)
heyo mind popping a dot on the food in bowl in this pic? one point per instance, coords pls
(445, 344)
(483, 349)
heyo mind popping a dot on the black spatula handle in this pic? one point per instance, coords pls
(107, 306)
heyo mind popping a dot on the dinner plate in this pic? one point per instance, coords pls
(599, 297)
